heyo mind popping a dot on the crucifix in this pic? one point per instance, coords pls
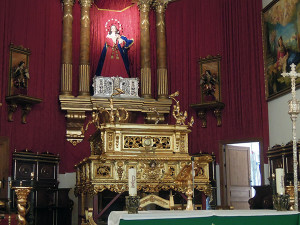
(294, 109)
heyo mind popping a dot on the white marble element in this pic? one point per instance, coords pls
(105, 86)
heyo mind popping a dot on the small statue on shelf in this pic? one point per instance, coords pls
(21, 77)
(208, 83)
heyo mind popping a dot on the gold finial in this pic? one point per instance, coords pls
(177, 114)
(113, 113)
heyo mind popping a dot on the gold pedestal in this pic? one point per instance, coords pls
(189, 194)
(22, 194)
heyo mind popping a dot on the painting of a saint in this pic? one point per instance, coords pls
(281, 44)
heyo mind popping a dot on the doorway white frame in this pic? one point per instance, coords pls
(222, 164)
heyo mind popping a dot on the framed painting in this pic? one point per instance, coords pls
(210, 79)
(18, 70)
(281, 43)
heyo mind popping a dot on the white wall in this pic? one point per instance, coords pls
(280, 124)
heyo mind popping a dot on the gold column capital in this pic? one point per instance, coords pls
(144, 5)
(68, 2)
(86, 3)
(160, 5)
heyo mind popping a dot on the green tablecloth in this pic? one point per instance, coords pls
(205, 217)
(220, 220)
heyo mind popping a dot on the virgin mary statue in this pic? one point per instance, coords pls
(114, 58)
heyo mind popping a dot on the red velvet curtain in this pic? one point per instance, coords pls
(232, 29)
(194, 29)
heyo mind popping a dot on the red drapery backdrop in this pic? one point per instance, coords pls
(194, 29)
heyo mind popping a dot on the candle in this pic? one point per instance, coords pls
(132, 188)
(280, 181)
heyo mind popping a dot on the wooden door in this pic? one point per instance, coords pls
(238, 176)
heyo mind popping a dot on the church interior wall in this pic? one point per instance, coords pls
(194, 29)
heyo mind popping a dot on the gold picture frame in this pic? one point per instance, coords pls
(18, 70)
(210, 79)
(281, 45)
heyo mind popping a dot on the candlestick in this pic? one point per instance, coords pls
(132, 187)
(294, 110)
(280, 181)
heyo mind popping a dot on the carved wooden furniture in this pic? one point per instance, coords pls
(48, 202)
(158, 152)
(281, 156)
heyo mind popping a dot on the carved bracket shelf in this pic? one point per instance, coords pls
(24, 101)
(202, 109)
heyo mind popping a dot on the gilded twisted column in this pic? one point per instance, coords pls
(66, 64)
(144, 7)
(84, 64)
(161, 50)
(22, 194)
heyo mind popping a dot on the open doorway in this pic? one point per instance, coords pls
(240, 170)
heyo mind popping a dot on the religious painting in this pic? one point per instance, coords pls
(210, 79)
(18, 70)
(281, 45)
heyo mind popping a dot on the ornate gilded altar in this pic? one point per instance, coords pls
(158, 152)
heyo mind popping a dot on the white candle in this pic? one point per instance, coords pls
(132, 182)
(280, 181)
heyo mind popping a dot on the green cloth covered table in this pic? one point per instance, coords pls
(206, 217)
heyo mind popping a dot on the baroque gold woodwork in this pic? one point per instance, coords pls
(66, 79)
(22, 194)
(177, 114)
(84, 80)
(144, 7)
(162, 83)
(161, 50)
(86, 3)
(154, 199)
(89, 217)
(157, 151)
(146, 82)
(75, 121)
(66, 63)
(80, 106)
(84, 58)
